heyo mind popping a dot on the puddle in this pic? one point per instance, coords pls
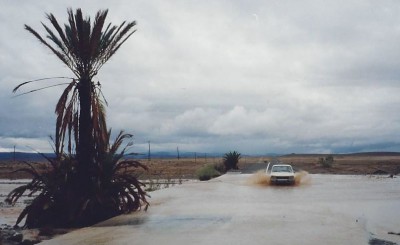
(9, 213)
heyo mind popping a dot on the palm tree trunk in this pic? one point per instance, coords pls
(85, 151)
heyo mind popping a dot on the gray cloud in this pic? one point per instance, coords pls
(255, 76)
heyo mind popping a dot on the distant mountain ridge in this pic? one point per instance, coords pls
(26, 156)
(345, 154)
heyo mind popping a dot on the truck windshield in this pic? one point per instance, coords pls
(281, 169)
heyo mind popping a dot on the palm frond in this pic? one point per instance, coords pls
(38, 89)
(102, 96)
(128, 164)
(60, 32)
(37, 80)
(58, 42)
(57, 53)
(96, 33)
(72, 35)
(122, 37)
(64, 97)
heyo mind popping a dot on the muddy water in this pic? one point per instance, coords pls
(9, 214)
(260, 178)
(228, 210)
(302, 178)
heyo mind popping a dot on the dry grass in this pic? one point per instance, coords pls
(347, 164)
(185, 168)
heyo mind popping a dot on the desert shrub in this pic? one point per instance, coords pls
(153, 185)
(231, 160)
(326, 162)
(220, 167)
(207, 172)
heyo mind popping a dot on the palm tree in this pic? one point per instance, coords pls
(84, 49)
(231, 159)
(81, 184)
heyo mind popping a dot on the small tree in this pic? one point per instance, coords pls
(326, 162)
(231, 159)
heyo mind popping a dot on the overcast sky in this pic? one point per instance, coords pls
(213, 76)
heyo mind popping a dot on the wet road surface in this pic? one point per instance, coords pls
(330, 209)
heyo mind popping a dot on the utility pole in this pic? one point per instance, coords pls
(149, 154)
(195, 157)
(177, 150)
(14, 154)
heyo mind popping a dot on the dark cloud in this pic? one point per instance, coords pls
(256, 76)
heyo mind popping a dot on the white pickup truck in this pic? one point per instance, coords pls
(282, 174)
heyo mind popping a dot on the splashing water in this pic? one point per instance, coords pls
(260, 178)
(263, 179)
(302, 178)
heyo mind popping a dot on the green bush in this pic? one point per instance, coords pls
(207, 172)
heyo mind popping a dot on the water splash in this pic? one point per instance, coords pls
(263, 179)
(302, 178)
(260, 178)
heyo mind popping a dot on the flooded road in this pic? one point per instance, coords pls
(329, 209)
(8, 213)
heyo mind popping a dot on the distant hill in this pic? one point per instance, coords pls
(23, 156)
(377, 154)
(374, 154)
(35, 157)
